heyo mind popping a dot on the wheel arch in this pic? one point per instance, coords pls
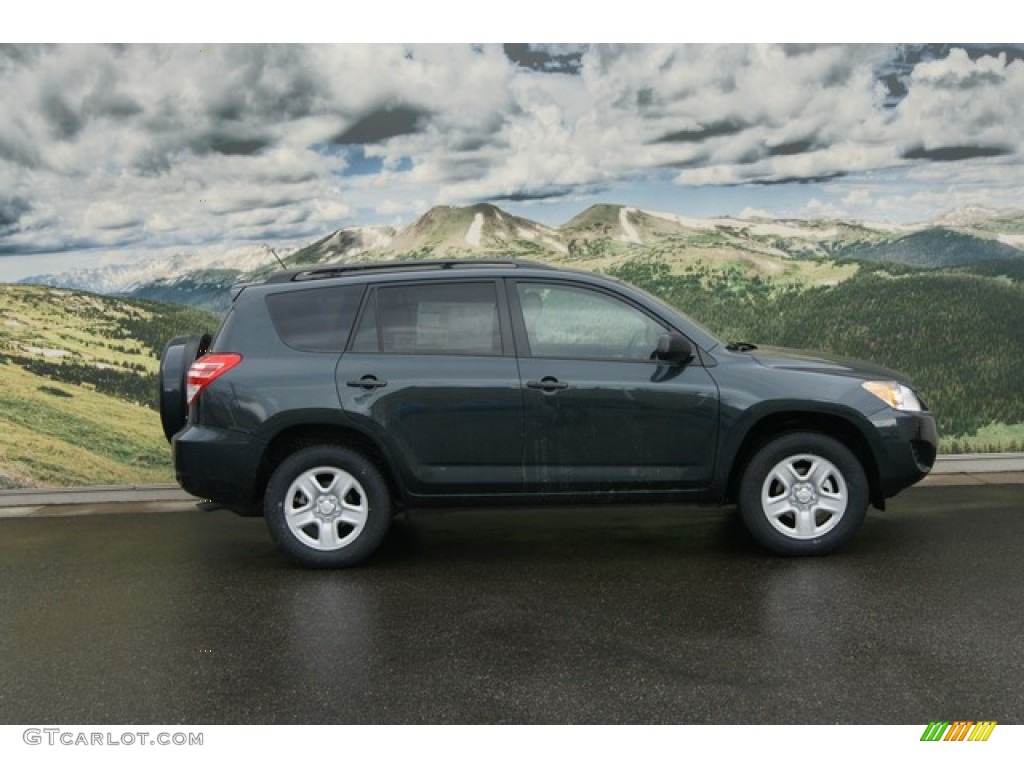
(774, 425)
(299, 436)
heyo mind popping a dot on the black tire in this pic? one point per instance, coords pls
(179, 353)
(803, 494)
(344, 493)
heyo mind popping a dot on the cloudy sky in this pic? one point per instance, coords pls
(110, 153)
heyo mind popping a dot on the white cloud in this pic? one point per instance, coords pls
(858, 197)
(115, 147)
(956, 101)
(107, 214)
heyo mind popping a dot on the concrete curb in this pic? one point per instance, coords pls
(962, 469)
(98, 494)
(979, 462)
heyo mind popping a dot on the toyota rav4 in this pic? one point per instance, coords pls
(332, 395)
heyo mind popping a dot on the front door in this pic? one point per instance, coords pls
(600, 413)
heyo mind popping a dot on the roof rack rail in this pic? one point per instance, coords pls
(334, 270)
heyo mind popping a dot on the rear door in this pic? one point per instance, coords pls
(600, 412)
(431, 374)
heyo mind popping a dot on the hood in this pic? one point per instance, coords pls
(801, 360)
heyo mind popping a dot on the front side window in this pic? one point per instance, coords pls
(573, 322)
(433, 319)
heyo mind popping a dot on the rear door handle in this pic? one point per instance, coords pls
(547, 384)
(367, 383)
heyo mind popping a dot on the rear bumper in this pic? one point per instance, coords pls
(217, 464)
(908, 449)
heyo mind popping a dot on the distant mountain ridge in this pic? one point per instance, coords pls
(600, 236)
(126, 278)
(965, 236)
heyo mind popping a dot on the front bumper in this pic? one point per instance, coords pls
(908, 446)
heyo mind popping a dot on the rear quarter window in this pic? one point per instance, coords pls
(315, 319)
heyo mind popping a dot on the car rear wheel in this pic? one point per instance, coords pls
(178, 355)
(327, 507)
(803, 494)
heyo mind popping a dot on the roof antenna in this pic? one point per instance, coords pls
(275, 256)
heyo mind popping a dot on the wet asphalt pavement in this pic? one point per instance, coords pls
(596, 615)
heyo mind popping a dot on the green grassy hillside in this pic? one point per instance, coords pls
(79, 388)
(933, 248)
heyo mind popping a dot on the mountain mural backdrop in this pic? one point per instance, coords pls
(942, 300)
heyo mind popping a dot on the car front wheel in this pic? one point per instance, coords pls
(327, 507)
(803, 494)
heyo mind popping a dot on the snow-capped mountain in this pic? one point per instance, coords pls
(125, 278)
(966, 216)
(482, 229)
(348, 244)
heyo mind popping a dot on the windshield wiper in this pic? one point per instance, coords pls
(741, 346)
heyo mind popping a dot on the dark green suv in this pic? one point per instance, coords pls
(331, 395)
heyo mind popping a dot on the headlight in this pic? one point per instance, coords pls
(894, 394)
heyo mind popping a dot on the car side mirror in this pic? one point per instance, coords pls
(674, 348)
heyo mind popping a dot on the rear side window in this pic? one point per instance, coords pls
(433, 319)
(316, 319)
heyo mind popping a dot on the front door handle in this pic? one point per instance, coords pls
(367, 382)
(547, 384)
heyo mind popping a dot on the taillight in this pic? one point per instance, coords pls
(205, 371)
